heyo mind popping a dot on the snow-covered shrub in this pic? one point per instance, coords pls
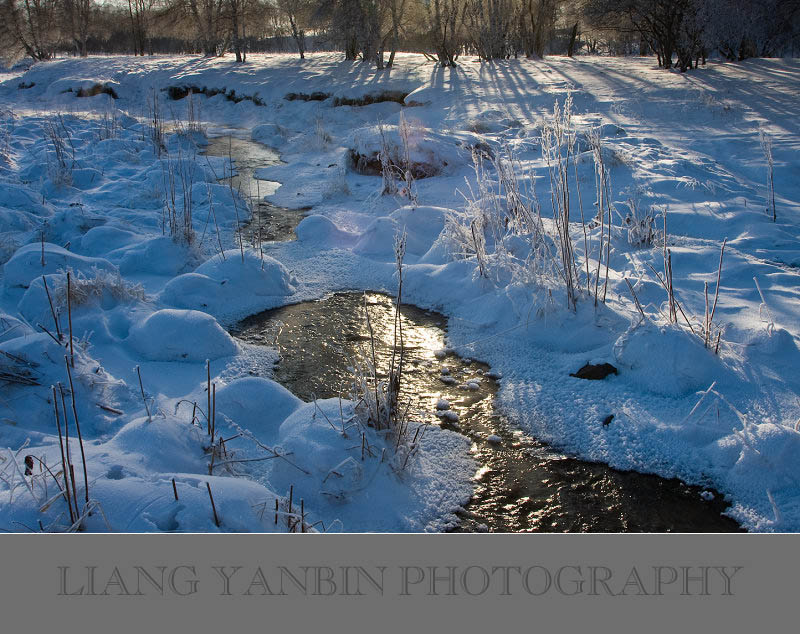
(396, 165)
(104, 283)
(323, 137)
(337, 184)
(641, 225)
(501, 225)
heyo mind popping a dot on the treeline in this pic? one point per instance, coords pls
(680, 33)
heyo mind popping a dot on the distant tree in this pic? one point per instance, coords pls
(140, 13)
(298, 13)
(446, 34)
(77, 18)
(489, 25)
(751, 28)
(30, 27)
(207, 16)
(535, 22)
(658, 22)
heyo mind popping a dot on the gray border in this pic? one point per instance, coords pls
(36, 597)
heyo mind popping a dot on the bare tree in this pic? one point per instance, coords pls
(207, 19)
(490, 25)
(298, 13)
(77, 16)
(446, 36)
(140, 13)
(30, 27)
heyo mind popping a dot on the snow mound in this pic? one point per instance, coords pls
(26, 264)
(666, 360)
(160, 445)
(82, 87)
(261, 276)
(19, 197)
(218, 286)
(270, 134)
(317, 229)
(156, 256)
(180, 335)
(257, 404)
(421, 224)
(101, 240)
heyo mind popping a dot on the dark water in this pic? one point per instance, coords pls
(521, 484)
(269, 222)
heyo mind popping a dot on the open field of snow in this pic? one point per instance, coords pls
(467, 162)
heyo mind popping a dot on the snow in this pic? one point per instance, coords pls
(688, 143)
(172, 335)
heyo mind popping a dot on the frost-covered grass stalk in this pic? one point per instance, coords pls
(604, 207)
(766, 147)
(377, 394)
(409, 189)
(178, 178)
(192, 121)
(558, 146)
(763, 308)
(156, 122)
(109, 125)
(63, 149)
(322, 136)
(235, 197)
(708, 322)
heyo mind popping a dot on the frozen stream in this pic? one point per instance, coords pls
(521, 484)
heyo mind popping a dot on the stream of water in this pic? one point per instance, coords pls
(271, 222)
(521, 484)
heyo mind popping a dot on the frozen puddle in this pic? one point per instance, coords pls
(275, 223)
(521, 484)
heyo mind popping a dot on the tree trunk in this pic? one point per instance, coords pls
(573, 36)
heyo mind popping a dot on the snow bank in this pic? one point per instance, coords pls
(429, 153)
(270, 134)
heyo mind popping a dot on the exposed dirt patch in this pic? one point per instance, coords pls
(371, 166)
(397, 96)
(301, 96)
(94, 90)
(177, 93)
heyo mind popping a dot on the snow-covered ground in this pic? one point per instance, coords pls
(84, 187)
